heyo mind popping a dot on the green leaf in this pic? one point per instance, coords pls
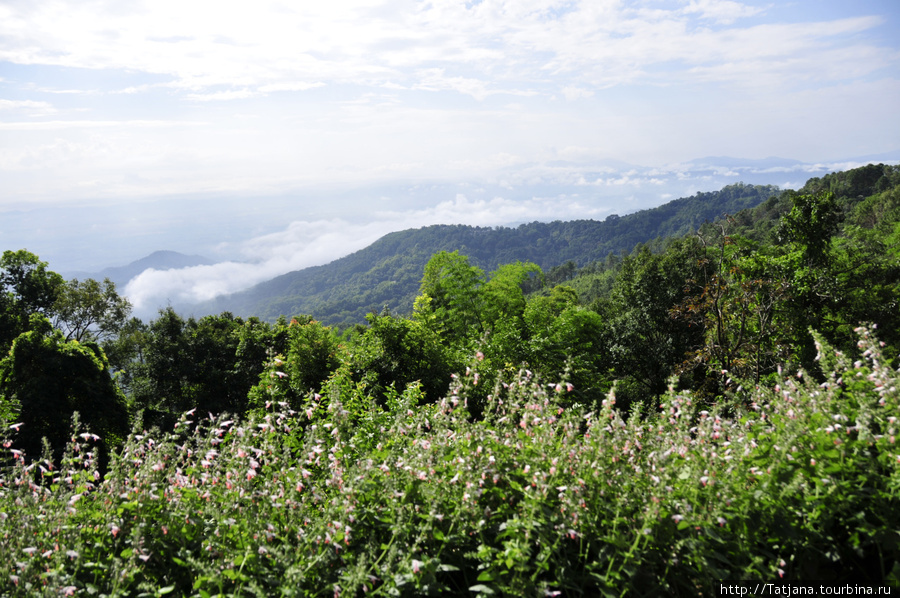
(485, 576)
(165, 590)
(125, 554)
(438, 535)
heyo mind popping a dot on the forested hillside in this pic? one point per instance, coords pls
(387, 273)
(720, 405)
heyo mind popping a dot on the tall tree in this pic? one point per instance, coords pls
(46, 379)
(27, 287)
(453, 286)
(90, 309)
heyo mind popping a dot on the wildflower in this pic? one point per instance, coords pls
(16, 426)
(30, 550)
(416, 565)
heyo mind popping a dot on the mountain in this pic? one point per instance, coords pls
(387, 273)
(158, 260)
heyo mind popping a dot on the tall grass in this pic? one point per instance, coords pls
(346, 497)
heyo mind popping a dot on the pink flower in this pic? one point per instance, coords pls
(416, 565)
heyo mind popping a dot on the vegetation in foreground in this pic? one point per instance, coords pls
(346, 497)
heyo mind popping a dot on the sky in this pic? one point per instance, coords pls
(274, 135)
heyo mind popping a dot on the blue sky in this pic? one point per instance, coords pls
(283, 134)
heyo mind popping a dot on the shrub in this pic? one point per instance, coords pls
(345, 497)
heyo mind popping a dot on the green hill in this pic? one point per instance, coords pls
(388, 272)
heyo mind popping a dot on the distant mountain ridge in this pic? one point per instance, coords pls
(158, 260)
(387, 273)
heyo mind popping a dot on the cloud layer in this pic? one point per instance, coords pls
(574, 194)
(201, 96)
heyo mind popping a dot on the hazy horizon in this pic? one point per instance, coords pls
(282, 135)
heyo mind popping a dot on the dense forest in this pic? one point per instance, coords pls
(718, 402)
(388, 272)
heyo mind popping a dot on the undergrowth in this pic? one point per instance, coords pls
(346, 497)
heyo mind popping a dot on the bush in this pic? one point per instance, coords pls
(345, 497)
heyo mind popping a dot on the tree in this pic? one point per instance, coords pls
(26, 287)
(502, 296)
(396, 352)
(643, 337)
(46, 379)
(734, 304)
(90, 310)
(309, 355)
(810, 225)
(453, 286)
(565, 338)
(208, 364)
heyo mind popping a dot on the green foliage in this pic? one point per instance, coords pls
(644, 339)
(454, 287)
(388, 272)
(45, 380)
(534, 498)
(313, 353)
(209, 364)
(26, 287)
(394, 353)
(90, 310)
(475, 447)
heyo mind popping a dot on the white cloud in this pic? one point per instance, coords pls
(308, 243)
(48, 125)
(29, 106)
(722, 11)
(204, 44)
(576, 93)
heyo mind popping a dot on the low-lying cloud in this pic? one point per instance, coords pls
(309, 243)
(566, 193)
